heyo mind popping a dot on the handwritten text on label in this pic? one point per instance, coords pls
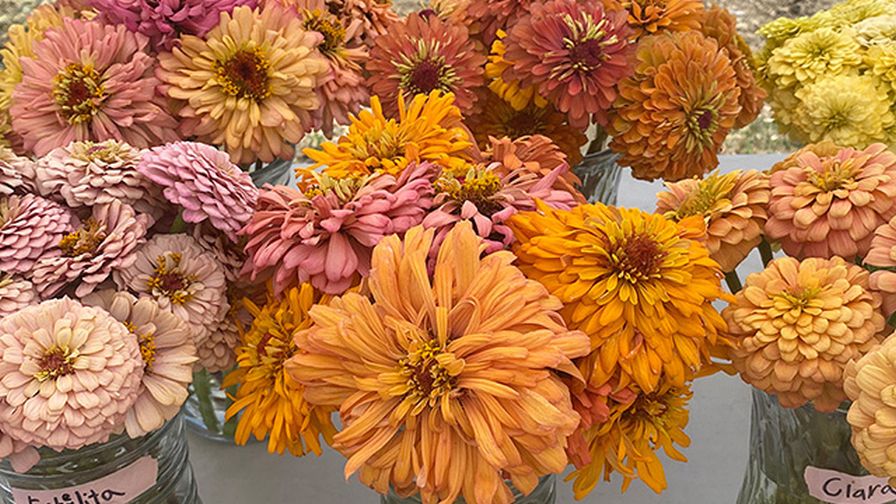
(835, 487)
(118, 488)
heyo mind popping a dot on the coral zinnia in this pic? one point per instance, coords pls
(573, 53)
(882, 256)
(826, 206)
(269, 402)
(640, 285)
(168, 354)
(375, 16)
(647, 17)
(325, 236)
(249, 85)
(428, 129)
(15, 294)
(674, 113)
(733, 206)
(488, 17)
(163, 22)
(70, 373)
(797, 324)
(90, 81)
(423, 54)
(535, 154)
(465, 395)
(29, 227)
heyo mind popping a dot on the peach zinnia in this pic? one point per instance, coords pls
(446, 386)
(882, 257)
(796, 325)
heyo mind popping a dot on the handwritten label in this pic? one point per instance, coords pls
(120, 487)
(838, 488)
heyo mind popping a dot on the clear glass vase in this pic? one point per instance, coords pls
(600, 174)
(544, 493)
(205, 409)
(154, 469)
(277, 172)
(801, 456)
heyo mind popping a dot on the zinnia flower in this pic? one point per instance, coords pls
(534, 154)
(488, 17)
(513, 92)
(15, 294)
(465, 394)
(732, 205)
(376, 18)
(29, 227)
(824, 149)
(796, 325)
(325, 236)
(16, 173)
(183, 278)
(648, 17)
(164, 21)
(882, 257)
(249, 85)
(167, 352)
(882, 60)
(96, 173)
(876, 31)
(827, 206)
(868, 384)
(428, 129)
(573, 53)
(86, 257)
(802, 60)
(424, 54)
(70, 374)
(672, 116)
(90, 81)
(269, 402)
(203, 181)
(21, 456)
(640, 285)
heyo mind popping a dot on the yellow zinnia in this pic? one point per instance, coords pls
(819, 54)
(430, 128)
(271, 402)
(519, 97)
(640, 285)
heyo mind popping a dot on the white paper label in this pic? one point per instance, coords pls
(839, 488)
(118, 488)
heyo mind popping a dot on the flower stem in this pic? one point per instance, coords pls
(202, 388)
(733, 282)
(179, 225)
(765, 251)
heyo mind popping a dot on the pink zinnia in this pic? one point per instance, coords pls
(16, 173)
(29, 227)
(163, 21)
(326, 235)
(15, 294)
(90, 81)
(202, 180)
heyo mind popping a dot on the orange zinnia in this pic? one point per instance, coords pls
(446, 385)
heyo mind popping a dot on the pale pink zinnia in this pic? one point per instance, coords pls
(16, 173)
(202, 180)
(167, 351)
(326, 235)
(70, 374)
(15, 294)
(183, 278)
(86, 257)
(21, 456)
(830, 205)
(90, 81)
(217, 350)
(29, 227)
(163, 21)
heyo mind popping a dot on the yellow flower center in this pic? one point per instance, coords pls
(329, 27)
(344, 188)
(167, 279)
(84, 240)
(245, 75)
(710, 191)
(79, 92)
(637, 258)
(147, 344)
(477, 185)
(56, 362)
(834, 175)
(427, 372)
(106, 152)
(425, 71)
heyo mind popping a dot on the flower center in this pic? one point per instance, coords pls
(477, 185)
(799, 299)
(834, 175)
(56, 362)
(637, 258)
(245, 75)
(79, 92)
(85, 240)
(713, 189)
(425, 71)
(427, 12)
(105, 152)
(428, 379)
(329, 27)
(169, 281)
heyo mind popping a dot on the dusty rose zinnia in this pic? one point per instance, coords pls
(90, 81)
(29, 227)
(574, 53)
(826, 206)
(424, 54)
(326, 234)
(204, 182)
(216, 351)
(163, 21)
(15, 294)
(167, 353)
(69, 374)
(16, 173)
(183, 278)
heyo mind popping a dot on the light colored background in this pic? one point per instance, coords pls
(719, 431)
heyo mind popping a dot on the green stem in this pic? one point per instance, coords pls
(202, 388)
(733, 282)
(179, 225)
(765, 251)
(599, 142)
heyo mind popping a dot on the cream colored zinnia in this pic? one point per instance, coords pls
(821, 53)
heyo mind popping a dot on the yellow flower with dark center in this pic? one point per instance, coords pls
(640, 285)
(268, 401)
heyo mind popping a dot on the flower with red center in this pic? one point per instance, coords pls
(90, 81)
(574, 54)
(30, 226)
(674, 113)
(424, 54)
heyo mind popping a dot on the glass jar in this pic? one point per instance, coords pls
(544, 493)
(277, 172)
(154, 469)
(205, 409)
(600, 174)
(801, 456)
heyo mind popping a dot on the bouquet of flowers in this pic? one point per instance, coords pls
(832, 75)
